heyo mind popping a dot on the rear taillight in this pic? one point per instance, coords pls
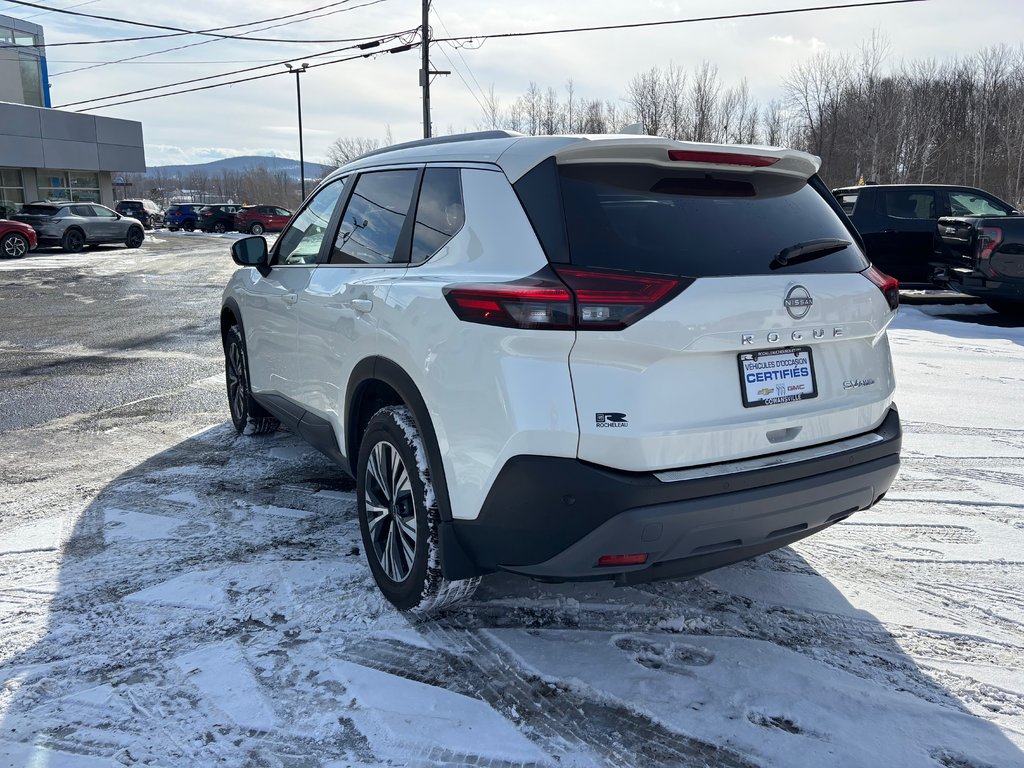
(530, 303)
(889, 286)
(569, 299)
(989, 239)
(721, 158)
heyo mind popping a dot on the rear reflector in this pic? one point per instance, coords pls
(565, 299)
(889, 286)
(612, 560)
(721, 158)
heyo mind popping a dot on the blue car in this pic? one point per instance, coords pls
(182, 216)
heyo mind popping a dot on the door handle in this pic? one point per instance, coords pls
(290, 298)
(362, 305)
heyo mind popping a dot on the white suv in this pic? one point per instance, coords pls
(600, 357)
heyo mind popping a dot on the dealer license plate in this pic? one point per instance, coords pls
(774, 376)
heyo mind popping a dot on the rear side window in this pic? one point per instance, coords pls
(697, 224)
(82, 210)
(909, 204)
(848, 200)
(372, 224)
(440, 212)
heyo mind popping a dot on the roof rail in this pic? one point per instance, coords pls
(450, 139)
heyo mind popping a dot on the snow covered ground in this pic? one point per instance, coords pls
(174, 595)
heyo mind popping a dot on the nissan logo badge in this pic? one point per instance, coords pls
(798, 302)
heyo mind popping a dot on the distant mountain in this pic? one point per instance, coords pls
(244, 163)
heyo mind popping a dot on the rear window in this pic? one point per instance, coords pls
(39, 210)
(697, 224)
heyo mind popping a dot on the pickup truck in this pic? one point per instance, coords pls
(983, 257)
(899, 223)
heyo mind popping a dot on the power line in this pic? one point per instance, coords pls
(635, 25)
(43, 13)
(97, 65)
(365, 45)
(462, 59)
(213, 32)
(397, 49)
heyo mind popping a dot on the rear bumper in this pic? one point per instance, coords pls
(974, 283)
(552, 518)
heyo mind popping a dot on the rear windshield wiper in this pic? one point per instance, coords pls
(812, 249)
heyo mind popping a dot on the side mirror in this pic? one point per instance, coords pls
(251, 252)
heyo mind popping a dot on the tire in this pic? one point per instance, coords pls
(399, 518)
(257, 228)
(134, 237)
(13, 246)
(1007, 307)
(219, 228)
(248, 416)
(188, 225)
(73, 241)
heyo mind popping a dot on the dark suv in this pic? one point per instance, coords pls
(217, 218)
(146, 211)
(898, 222)
(182, 216)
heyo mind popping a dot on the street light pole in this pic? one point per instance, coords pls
(298, 98)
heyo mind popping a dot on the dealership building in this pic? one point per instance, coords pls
(45, 153)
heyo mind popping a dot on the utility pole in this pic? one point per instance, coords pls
(425, 70)
(298, 97)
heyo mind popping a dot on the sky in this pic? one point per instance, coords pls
(370, 97)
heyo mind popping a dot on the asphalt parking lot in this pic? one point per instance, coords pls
(173, 594)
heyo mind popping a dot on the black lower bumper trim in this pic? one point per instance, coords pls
(550, 517)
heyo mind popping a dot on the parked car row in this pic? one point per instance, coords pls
(942, 236)
(254, 219)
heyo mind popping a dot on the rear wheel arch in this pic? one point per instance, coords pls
(380, 380)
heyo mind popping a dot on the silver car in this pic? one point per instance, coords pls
(76, 225)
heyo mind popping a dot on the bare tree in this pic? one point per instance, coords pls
(347, 148)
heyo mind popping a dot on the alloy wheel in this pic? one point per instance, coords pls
(15, 246)
(390, 511)
(236, 381)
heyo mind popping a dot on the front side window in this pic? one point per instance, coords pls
(373, 221)
(102, 212)
(300, 242)
(972, 204)
(440, 212)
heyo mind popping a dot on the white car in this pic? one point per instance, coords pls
(596, 357)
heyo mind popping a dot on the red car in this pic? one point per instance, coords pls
(257, 219)
(16, 239)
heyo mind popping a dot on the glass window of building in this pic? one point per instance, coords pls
(77, 186)
(12, 194)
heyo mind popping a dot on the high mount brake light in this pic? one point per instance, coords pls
(889, 286)
(565, 299)
(721, 158)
